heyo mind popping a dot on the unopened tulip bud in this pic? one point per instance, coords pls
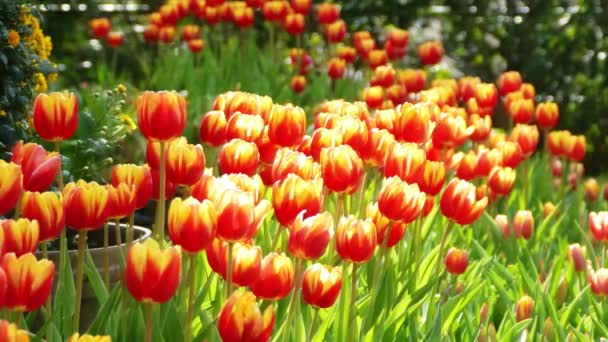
(548, 209)
(502, 221)
(577, 256)
(483, 313)
(523, 224)
(524, 307)
(562, 292)
(456, 261)
(548, 330)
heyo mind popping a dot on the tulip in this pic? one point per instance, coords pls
(235, 213)
(430, 53)
(487, 160)
(382, 223)
(404, 160)
(384, 76)
(486, 95)
(213, 128)
(20, 236)
(298, 83)
(524, 307)
(335, 68)
(286, 125)
(467, 166)
(192, 224)
(115, 39)
(374, 96)
(509, 81)
(10, 332)
(276, 277)
(527, 138)
(38, 166)
(414, 123)
(502, 221)
(309, 237)
(239, 156)
(251, 185)
(242, 16)
(341, 169)
(355, 239)
(137, 177)
(185, 162)
(547, 115)
(397, 94)
(336, 31)
(161, 115)
(152, 275)
(295, 24)
(450, 131)
(377, 58)
(288, 162)
(29, 281)
(121, 201)
(459, 202)
(46, 209)
(598, 225)
(11, 185)
(294, 195)
(400, 201)
(501, 180)
(576, 147)
(241, 319)
(456, 261)
(328, 13)
(347, 53)
(576, 253)
(190, 32)
(321, 285)
(323, 137)
(166, 34)
(85, 205)
(56, 116)
(592, 189)
(413, 79)
(301, 6)
(89, 338)
(151, 33)
(100, 27)
(431, 177)
(523, 224)
(246, 261)
(598, 281)
(512, 154)
(196, 45)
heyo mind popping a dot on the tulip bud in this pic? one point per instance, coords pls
(321, 285)
(39, 167)
(373, 96)
(548, 209)
(598, 225)
(577, 256)
(562, 292)
(548, 330)
(328, 13)
(460, 203)
(400, 201)
(185, 162)
(11, 185)
(523, 224)
(592, 189)
(524, 307)
(192, 224)
(152, 275)
(213, 128)
(509, 81)
(502, 221)
(341, 168)
(47, 209)
(298, 83)
(137, 177)
(29, 281)
(276, 277)
(20, 236)
(56, 116)
(355, 239)
(241, 319)
(239, 156)
(161, 115)
(456, 261)
(547, 115)
(430, 53)
(483, 313)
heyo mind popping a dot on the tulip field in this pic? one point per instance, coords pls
(297, 180)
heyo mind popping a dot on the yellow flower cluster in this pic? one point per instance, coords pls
(37, 41)
(2, 112)
(40, 84)
(128, 121)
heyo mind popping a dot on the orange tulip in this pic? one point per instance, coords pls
(309, 237)
(355, 239)
(161, 115)
(115, 39)
(598, 225)
(501, 180)
(547, 115)
(86, 205)
(398, 229)
(451, 131)
(236, 220)
(286, 125)
(294, 195)
(486, 95)
(242, 320)
(246, 261)
(413, 123)
(336, 31)
(137, 177)
(196, 45)
(100, 27)
(592, 189)
(430, 53)
(298, 83)
(523, 224)
(404, 160)
(190, 32)
(512, 154)
(213, 128)
(152, 275)
(482, 127)
(466, 165)
(295, 24)
(20, 236)
(355, 132)
(242, 16)
(509, 81)
(288, 161)
(121, 201)
(275, 10)
(598, 281)
(398, 37)
(466, 87)
(378, 147)
(342, 169)
(413, 79)
(373, 96)
(151, 33)
(526, 136)
(347, 53)
(89, 338)
(335, 68)
(301, 6)
(459, 202)
(239, 156)
(576, 147)
(576, 254)
(192, 224)
(521, 111)
(397, 94)
(524, 307)
(456, 261)
(29, 281)
(185, 162)
(38, 166)
(431, 177)
(47, 209)
(487, 160)
(11, 185)
(384, 76)
(56, 116)
(9, 332)
(400, 201)
(328, 13)
(166, 34)
(377, 58)
(321, 285)
(323, 137)
(276, 277)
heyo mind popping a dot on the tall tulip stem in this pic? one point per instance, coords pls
(444, 239)
(339, 207)
(106, 256)
(49, 304)
(353, 302)
(131, 229)
(293, 302)
(229, 271)
(312, 325)
(148, 329)
(82, 243)
(159, 225)
(59, 172)
(191, 289)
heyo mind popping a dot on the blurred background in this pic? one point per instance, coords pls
(558, 46)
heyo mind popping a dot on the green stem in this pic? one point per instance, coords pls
(82, 243)
(159, 225)
(106, 257)
(229, 271)
(353, 302)
(339, 205)
(49, 303)
(118, 232)
(188, 327)
(526, 163)
(148, 329)
(312, 325)
(444, 239)
(131, 229)
(292, 301)
(59, 172)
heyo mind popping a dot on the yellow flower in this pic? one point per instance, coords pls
(13, 38)
(40, 83)
(52, 77)
(122, 88)
(2, 112)
(126, 119)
